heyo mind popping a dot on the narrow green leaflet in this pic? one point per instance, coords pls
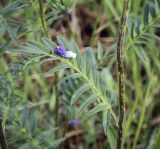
(80, 91)
(13, 34)
(152, 10)
(100, 51)
(154, 142)
(96, 109)
(56, 143)
(141, 54)
(111, 135)
(106, 120)
(30, 50)
(47, 133)
(58, 68)
(141, 42)
(1, 114)
(137, 25)
(96, 78)
(111, 8)
(38, 46)
(33, 60)
(109, 50)
(3, 26)
(87, 102)
(47, 60)
(33, 123)
(75, 48)
(157, 25)
(74, 75)
(49, 44)
(12, 7)
(88, 56)
(83, 64)
(146, 14)
(149, 35)
(24, 117)
(158, 1)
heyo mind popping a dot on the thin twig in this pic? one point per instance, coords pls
(2, 137)
(42, 15)
(120, 61)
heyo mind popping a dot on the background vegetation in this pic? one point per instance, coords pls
(47, 101)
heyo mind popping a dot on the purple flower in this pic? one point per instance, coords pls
(75, 123)
(60, 50)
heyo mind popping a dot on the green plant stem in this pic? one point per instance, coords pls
(57, 102)
(120, 61)
(44, 25)
(2, 137)
(42, 16)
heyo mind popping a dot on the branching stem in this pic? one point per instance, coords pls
(120, 61)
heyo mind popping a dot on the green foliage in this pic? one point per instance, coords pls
(83, 65)
(138, 31)
(57, 8)
(41, 93)
(141, 41)
(62, 5)
(154, 140)
(7, 24)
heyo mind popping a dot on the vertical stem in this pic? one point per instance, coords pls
(57, 102)
(120, 61)
(42, 15)
(44, 25)
(2, 137)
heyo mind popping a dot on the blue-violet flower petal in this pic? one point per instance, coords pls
(75, 122)
(60, 50)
